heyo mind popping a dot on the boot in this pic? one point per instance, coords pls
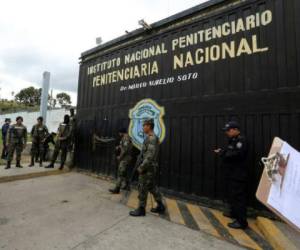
(61, 167)
(7, 165)
(238, 225)
(32, 162)
(41, 163)
(115, 190)
(18, 165)
(51, 165)
(160, 208)
(140, 211)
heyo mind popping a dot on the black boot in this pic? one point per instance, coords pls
(41, 163)
(7, 165)
(115, 190)
(61, 167)
(51, 165)
(238, 225)
(18, 165)
(32, 162)
(160, 209)
(140, 211)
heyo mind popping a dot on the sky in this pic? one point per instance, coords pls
(50, 35)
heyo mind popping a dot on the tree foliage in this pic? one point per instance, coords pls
(29, 96)
(63, 99)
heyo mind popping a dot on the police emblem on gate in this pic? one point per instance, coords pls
(146, 109)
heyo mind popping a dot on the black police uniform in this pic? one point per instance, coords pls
(234, 159)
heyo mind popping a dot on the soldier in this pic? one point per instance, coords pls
(5, 128)
(147, 171)
(124, 159)
(233, 160)
(39, 133)
(62, 142)
(16, 140)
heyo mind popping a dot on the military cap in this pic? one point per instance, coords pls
(230, 125)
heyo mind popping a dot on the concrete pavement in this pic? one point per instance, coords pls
(74, 211)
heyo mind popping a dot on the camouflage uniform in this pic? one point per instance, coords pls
(148, 170)
(16, 138)
(64, 131)
(125, 159)
(38, 134)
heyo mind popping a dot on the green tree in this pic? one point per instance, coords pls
(63, 99)
(29, 96)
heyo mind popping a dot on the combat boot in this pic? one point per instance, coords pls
(61, 167)
(41, 163)
(32, 162)
(140, 211)
(51, 165)
(7, 165)
(18, 165)
(115, 190)
(160, 208)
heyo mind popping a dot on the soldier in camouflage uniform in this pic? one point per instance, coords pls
(62, 142)
(16, 139)
(147, 172)
(124, 159)
(39, 133)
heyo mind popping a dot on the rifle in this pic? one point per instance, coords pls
(138, 162)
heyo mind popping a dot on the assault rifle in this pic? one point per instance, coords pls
(138, 162)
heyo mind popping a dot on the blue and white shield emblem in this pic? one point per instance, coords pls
(143, 110)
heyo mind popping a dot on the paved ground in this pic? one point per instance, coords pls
(74, 211)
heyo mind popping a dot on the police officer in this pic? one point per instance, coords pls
(39, 133)
(16, 139)
(124, 159)
(62, 142)
(49, 139)
(73, 124)
(147, 172)
(233, 160)
(4, 131)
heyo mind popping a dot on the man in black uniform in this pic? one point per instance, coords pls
(233, 161)
(48, 139)
(5, 128)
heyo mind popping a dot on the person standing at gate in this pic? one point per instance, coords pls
(5, 128)
(62, 142)
(124, 160)
(147, 172)
(73, 124)
(16, 141)
(233, 160)
(39, 133)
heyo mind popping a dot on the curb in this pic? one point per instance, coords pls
(273, 234)
(31, 175)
